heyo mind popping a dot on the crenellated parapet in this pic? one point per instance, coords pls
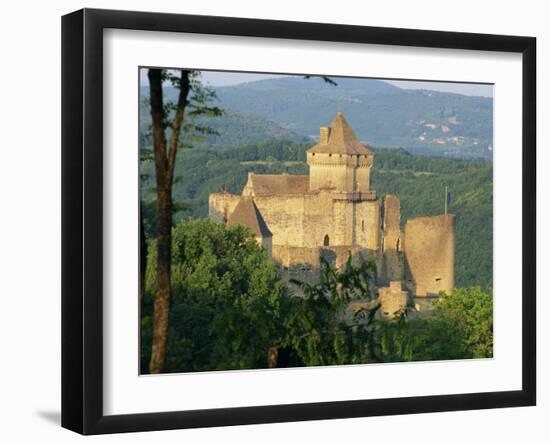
(334, 160)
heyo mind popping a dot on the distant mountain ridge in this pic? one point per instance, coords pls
(382, 115)
(233, 127)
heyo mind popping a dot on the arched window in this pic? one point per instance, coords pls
(326, 241)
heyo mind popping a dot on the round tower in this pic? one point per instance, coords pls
(339, 162)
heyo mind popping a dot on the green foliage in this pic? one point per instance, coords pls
(472, 310)
(421, 340)
(227, 300)
(461, 326)
(320, 328)
(229, 307)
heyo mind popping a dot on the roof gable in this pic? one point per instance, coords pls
(341, 140)
(246, 213)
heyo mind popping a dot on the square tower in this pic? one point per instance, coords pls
(339, 162)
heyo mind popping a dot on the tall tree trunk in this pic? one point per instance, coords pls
(162, 294)
(164, 170)
(142, 257)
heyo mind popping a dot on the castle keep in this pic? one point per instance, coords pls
(333, 213)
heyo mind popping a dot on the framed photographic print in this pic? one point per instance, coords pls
(270, 221)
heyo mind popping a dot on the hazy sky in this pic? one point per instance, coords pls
(217, 78)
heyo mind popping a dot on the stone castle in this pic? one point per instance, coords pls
(333, 213)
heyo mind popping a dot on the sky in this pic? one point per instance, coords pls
(219, 78)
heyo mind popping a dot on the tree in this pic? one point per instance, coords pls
(168, 119)
(323, 329)
(472, 310)
(228, 302)
(421, 339)
(144, 155)
(460, 326)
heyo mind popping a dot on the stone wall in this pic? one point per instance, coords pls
(221, 205)
(393, 299)
(304, 264)
(284, 216)
(343, 220)
(329, 171)
(363, 173)
(297, 263)
(391, 223)
(318, 219)
(288, 256)
(341, 172)
(393, 268)
(429, 253)
(367, 223)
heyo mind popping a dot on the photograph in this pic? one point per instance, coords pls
(306, 220)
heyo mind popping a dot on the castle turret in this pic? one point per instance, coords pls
(246, 213)
(339, 161)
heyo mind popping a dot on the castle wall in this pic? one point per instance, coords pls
(327, 171)
(297, 263)
(221, 205)
(339, 255)
(318, 221)
(391, 222)
(343, 222)
(284, 215)
(304, 264)
(393, 299)
(367, 224)
(392, 268)
(341, 172)
(288, 256)
(429, 253)
(363, 174)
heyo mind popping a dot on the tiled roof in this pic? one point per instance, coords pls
(263, 184)
(246, 213)
(341, 140)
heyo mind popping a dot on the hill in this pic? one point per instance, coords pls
(292, 108)
(233, 128)
(439, 123)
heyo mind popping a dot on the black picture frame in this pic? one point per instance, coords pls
(82, 218)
